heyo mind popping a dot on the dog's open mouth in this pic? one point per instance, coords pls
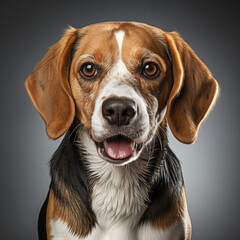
(118, 149)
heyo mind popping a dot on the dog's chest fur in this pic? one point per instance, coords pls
(119, 197)
(119, 194)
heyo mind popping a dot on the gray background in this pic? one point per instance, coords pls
(210, 166)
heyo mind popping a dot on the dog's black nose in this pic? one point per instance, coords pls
(118, 111)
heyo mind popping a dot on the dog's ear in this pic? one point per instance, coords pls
(49, 89)
(193, 93)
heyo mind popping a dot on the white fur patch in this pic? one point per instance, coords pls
(119, 83)
(150, 233)
(60, 231)
(119, 36)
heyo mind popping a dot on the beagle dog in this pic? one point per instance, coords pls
(113, 87)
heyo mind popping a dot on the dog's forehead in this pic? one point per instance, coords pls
(131, 39)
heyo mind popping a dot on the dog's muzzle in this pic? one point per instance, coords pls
(118, 148)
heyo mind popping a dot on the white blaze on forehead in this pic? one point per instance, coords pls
(119, 36)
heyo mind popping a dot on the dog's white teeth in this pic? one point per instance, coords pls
(105, 144)
(133, 145)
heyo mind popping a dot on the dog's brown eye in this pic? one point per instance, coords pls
(151, 70)
(88, 70)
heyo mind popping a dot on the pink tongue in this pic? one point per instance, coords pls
(118, 149)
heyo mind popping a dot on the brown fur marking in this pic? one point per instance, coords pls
(70, 210)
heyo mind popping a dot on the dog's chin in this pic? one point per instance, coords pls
(119, 149)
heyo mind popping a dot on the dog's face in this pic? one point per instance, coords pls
(116, 85)
(119, 80)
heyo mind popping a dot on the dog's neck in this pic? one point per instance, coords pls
(118, 192)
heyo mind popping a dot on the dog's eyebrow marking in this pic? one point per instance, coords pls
(119, 36)
(86, 56)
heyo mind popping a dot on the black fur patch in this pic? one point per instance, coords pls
(68, 172)
(167, 182)
(42, 232)
(66, 165)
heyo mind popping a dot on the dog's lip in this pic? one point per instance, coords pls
(101, 147)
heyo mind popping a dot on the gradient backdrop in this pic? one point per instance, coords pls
(211, 166)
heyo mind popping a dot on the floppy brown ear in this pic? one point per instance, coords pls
(194, 90)
(49, 89)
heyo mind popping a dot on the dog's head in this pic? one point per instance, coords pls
(120, 80)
